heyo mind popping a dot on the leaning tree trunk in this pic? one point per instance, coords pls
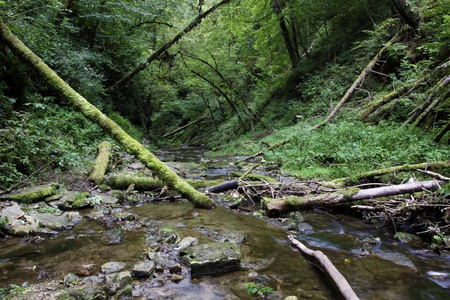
(358, 81)
(129, 144)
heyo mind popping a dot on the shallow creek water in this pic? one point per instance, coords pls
(391, 271)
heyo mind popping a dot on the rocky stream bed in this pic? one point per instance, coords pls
(97, 243)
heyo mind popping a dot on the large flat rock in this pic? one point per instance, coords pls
(213, 258)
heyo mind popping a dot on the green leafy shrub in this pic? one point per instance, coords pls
(45, 135)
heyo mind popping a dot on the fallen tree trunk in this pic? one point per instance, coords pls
(340, 281)
(101, 163)
(403, 168)
(93, 114)
(229, 185)
(148, 184)
(358, 81)
(277, 207)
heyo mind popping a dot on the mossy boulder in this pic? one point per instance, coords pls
(213, 258)
(34, 194)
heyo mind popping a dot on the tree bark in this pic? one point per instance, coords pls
(388, 98)
(129, 144)
(101, 163)
(277, 207)
(406, 14)
(161, 50)
(148, 184)
(432, 93)
(285, 33)
(402, 168)
(358, 81)
(340, 281)
(444, 130)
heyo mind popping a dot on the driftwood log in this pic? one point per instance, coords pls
(340, 281)
(101, 163)
(276, 207)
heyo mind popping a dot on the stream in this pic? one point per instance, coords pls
(388, 270)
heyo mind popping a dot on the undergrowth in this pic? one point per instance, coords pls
(342, 149)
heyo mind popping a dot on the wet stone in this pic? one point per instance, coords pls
(213, 258)
(174, 267)
(91, 292)
(305, 228)
(120, 279)
(406, 237)
(71, 278)
(111, 267)
(187, 241)
(143, 269)
(85, 270)
(112, 236)
(223, 235)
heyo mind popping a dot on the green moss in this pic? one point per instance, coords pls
(101, 163)
(36, 194)
(349, 193)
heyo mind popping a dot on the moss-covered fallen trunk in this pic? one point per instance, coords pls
(34, 194)
(277, 207)
(129, 144)
(403, 168)
(101, 163)
(148, 184)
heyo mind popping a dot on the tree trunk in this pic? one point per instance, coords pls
(403, 168)
(340, 281)
(277, 207)
(161, 50)
(285, 32)
(442, 132)
(406, 14)
(436, 90)
(358, 81)
(388, 98)
(96, 26)
(96, 116)
(101, 163)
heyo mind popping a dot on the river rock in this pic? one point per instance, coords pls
(291, 298)
(55, 222)
(108, 200)
(223, 235)
(34, 194)
(89, 292)
(213, 258)
(186, 242)
(111, 267)
(112, 236)
(85, 270)
(120, 279)
(71, 278)
(16, 223)
(406, 237)
(143, 269)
